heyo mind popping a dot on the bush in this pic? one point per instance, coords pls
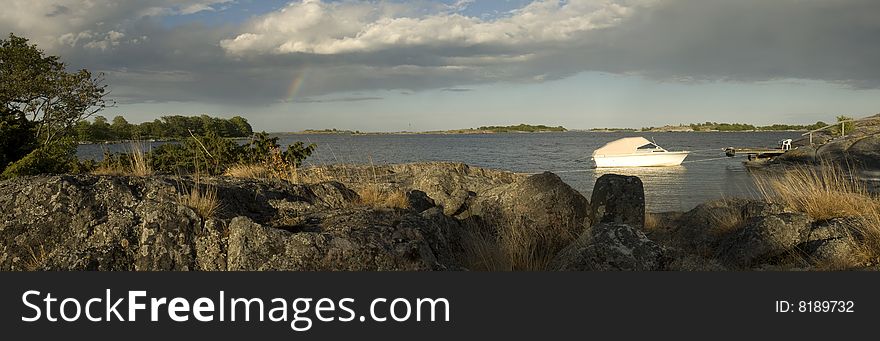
(55, 158)
(17, 138)
(213, 155)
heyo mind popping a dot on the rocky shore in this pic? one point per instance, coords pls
(87, 222)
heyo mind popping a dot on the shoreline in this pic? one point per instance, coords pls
(432, 208)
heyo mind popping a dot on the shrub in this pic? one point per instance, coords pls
(55, 158)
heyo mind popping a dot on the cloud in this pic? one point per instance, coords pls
(337, 99)
(317, 27)
(321, 48)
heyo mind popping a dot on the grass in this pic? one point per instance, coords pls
(204, 201)
(515, 244)
(826, 192)
(823, 192)
(373, 196)
(136, 164)
(140, 165)
(248, 171)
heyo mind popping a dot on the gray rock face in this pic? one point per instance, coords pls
(866, 152)
(610, 247)
(419, 201)
(133, 223)
(709, 223)
(542, 200)
(765, 237)
(618, 199)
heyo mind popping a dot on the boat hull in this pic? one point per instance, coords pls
(666, 159)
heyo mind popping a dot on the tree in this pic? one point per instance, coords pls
(242, 127)
(120, 128)
(39, 87)
(16, 137)
(101, 129)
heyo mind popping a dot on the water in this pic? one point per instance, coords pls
(696, 181)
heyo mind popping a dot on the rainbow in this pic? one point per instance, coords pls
(296, 85)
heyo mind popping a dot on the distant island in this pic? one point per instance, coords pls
(716, 126)
(519, 128)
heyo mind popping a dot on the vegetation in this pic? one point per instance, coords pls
(828, 192)
(515, 244)
(715, 126)
(213, 155)
(40, 104)
(166, 128)
(521, 128)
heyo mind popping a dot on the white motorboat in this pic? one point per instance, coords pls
(636, 152)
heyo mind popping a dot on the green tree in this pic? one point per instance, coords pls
(100, 129)
(242, 127)
(16, 137)
(120, 128)
(847, 127)
(40, 87)
(40, 106)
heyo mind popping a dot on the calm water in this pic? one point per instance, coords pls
(670, 188)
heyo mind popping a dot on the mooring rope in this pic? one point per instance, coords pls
(703, 160)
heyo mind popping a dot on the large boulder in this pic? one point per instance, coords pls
(355, 239)
(610, 247)
(618, 199)
(706, 225)
(89, 222)
(543, 201)
(866, 152)
(764, 238)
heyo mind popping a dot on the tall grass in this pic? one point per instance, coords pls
(515, 244)
(140, 165)
(825, 192)
(134, 163)
(202, 199)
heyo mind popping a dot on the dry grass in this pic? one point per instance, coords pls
(516, 245)
(140, 165)
(203, 200)
(652, 221)
(725, 221)
(373, 196)
(825, 192)
(248, 171)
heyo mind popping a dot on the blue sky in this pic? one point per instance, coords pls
(426, 65)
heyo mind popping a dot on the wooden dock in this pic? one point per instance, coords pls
(754, 153)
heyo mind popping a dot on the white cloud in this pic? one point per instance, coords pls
(56, 24)
(317, 27)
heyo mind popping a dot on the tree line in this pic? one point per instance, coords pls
(167, 127)
(715, 126)
(45, 109)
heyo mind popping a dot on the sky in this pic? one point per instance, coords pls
(430, 64)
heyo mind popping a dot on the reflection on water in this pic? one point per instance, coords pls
(704, 176)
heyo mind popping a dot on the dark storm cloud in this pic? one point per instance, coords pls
(674, 40)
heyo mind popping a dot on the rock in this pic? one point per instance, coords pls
(354, 239)
(610, 247)
(764, 238)
(542, 201)
(618, 199)
(832, 242)
(798, 155)
(419, 201)
(866, 152)
(708, 223)
(90, 222)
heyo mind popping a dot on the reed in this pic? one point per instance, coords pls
(515, 244)
(139, 163)
(825, 192)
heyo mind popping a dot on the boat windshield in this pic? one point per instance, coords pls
(649, 146)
